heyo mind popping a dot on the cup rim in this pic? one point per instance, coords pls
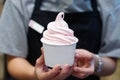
(57, 44)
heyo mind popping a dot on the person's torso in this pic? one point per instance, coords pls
(86, 26)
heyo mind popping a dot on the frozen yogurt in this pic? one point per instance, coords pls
(58, 32)
(59, 43)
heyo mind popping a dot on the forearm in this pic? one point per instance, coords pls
(109, 66)
(20, 68)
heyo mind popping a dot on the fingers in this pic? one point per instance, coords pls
(81, 75)
(49, 75)
(56, 73)
(42, 50)
(83, 72)
(89, 69)
(65, 72)
(85, 64)
(40, 61)
(81, 54)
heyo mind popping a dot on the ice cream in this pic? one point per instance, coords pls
(58, 32)
(59, 43)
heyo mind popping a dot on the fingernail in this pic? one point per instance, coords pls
(67, 66)
(77, 55)
(75, 69)
(58, 66)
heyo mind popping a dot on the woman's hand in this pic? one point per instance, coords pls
(56, 73)
(84, 64)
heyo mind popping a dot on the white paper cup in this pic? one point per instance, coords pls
(59, 54)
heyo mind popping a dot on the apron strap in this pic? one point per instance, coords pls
(38, 4)
(94, 5)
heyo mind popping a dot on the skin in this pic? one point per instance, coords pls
(85, 63)
(51, 74)
(20, 69)
(89, 63)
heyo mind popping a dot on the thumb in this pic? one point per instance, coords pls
(42, 50)
(40, 60)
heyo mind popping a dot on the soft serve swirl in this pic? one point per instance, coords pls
(58, 32)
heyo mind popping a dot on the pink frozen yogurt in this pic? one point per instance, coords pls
(58, 32)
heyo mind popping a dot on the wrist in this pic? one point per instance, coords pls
(33, 74)
(98, 63)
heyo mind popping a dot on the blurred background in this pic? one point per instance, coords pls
(115, 76)
(1, 56)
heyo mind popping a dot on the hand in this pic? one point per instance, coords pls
(56, 73)
(84, 64)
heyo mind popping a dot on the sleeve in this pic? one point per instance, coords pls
(110, 11)
(13, 37)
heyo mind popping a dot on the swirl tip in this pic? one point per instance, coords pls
(60, 16)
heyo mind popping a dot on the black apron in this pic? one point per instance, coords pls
(87, 28)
